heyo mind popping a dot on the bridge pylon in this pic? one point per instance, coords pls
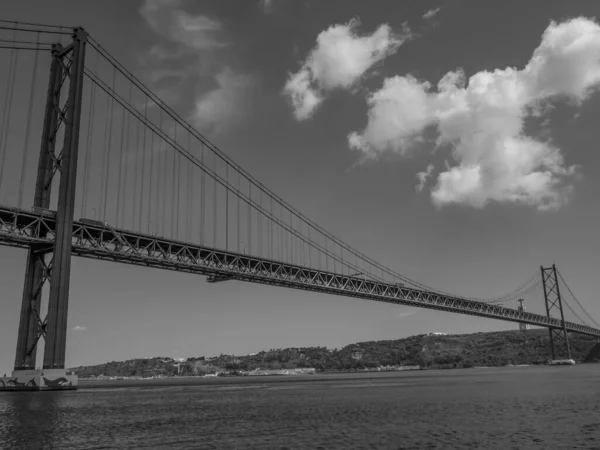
(559, 338)
(51, 263)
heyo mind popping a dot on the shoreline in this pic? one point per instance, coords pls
(326, 378)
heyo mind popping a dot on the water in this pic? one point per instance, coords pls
(508, 408)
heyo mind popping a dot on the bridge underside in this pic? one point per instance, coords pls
(27, 229)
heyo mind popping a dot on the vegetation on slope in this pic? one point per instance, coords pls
(426, 351)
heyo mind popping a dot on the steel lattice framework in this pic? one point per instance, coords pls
(49, 260)
(22, 228)
(559, 337)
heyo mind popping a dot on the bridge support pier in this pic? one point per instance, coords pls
(52, 264)
(559, 338)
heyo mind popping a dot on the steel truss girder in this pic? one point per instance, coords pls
(220, 278)
(19, 228)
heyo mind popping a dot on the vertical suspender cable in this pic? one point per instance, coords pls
(28, 125)
(227, 208)
(178, 197)
(124, 126)
(249, 222)
(239, 242)
(127, 151)
(105, 144)
(309, 247)
(160, 188)
(10, 89)
(173, 188)
(216, 151)
(202, 195)
(163, 150)
(277, 235)
(335, 259)
(279, 221)
(327, 251)
(282, 231)
(104, 153)
(154, 182)
(136, 171)
(270, 224)
(151, 183)
(259, 218)
(299, 247)
(157, 151)
(143, 170)
(342, 259)
(107, 169)
(215, 202)
(190, 186)
(292, 241)
(89, 140)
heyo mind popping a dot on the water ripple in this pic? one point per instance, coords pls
(524, 408)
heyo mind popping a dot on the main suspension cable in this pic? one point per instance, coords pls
(577, 301)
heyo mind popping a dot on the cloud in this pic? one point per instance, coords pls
(338, 61)
(79, 328)
(431, 13)
(266, 5)
(168, 19)
(305, 99)
(482, 120)
(423, 176)
(192, 56)
(220, 107)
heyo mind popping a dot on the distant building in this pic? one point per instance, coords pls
(522, 326)
(357, 355)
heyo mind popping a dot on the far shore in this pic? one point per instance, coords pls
(333, 377)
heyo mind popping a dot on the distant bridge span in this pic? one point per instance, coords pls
(23, 228)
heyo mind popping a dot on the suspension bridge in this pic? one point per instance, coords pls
(94, 165)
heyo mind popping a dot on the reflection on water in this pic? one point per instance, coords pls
(524, 408)
(31, 420)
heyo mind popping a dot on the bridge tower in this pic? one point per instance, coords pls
(559, 339)
(51, 263)
(522, 326)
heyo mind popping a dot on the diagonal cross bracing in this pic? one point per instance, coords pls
(21, 228)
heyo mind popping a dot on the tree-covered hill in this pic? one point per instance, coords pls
(426, 351)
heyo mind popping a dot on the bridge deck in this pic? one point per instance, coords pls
(23, 228)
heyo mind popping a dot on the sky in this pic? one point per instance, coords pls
(452, 141)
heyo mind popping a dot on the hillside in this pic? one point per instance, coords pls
(426, 351)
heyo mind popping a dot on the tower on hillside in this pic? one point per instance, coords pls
(522, 326)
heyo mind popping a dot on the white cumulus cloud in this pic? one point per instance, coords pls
(338, 61)
(423, 176)
(431, 13)
(221, 106)
(482, 120)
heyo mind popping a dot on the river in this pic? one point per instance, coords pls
(498, 408)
